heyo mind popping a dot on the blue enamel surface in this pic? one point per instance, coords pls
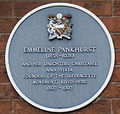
(33, 33)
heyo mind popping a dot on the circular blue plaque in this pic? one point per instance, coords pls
(59, 57)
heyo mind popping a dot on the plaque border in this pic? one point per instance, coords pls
(109, 73)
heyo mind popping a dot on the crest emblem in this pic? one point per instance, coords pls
(59, 26)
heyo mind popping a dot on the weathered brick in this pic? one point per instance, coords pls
(117, 57)
(5, 106)
(21, 8)
(55, 0)
(7, 91)
(2, 58)
(112, 23)
(116, 74)
(5, 8)
(7, 24)
(100, 8)
(22, 107)
(3, 75)
(116, 106)
(37, 0)
(116, 40)
(116, 8)
(100, 107)
(5, 0)
(3, 41)
(112, 91)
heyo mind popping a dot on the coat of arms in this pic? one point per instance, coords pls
(59, 26)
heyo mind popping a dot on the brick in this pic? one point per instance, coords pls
(36, 0)
(112, 23)
(3, 75)
(22, 107)
(100, 107)
(54, 0)
(7, 24)
(116, 74)
(30, 0)
(3, 41)
(116, 106)
(21, 8)
(5, 107)
(100, 8)
(116, 7)
(5, 8)
(112, 91)
(117, 57)
(7, 91)
(5, 0)
(2, 58)
(116, 40)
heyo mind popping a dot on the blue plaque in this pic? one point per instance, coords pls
(59, 57)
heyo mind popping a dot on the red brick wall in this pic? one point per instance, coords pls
(107, 10)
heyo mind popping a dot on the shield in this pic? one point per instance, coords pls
(59, 31)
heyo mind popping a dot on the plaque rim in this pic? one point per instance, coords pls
(110, 69)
